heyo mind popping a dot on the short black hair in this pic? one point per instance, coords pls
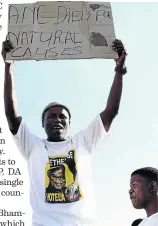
(136, 222)
(149, 173)
(52, 170)
(55, 104)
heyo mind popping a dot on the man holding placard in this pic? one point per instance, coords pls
(62, 195)
(60, 166)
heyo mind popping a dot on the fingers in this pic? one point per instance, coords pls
(7, 46)
(117, 42)
(8, 43)
(118, 47)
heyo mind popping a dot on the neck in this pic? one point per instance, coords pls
(152, 206)
(56, 139)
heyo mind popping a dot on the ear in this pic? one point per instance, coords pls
(153, 186)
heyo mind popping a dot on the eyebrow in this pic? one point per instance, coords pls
(133, 182)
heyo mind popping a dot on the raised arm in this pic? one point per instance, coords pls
(114, 98)
(11, 113)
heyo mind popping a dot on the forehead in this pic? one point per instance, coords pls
(58, 171)
(57, 110)
(138, 179)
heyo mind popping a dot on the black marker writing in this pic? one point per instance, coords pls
(38, 15)
(58, 37)
(13, 12)
(25, 12)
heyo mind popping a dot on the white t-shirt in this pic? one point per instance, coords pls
(61, 188)
(150, 221)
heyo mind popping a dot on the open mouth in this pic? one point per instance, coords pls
(133, 198)
(58, 185)
(57, 127)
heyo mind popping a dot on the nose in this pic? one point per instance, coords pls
(57, 179)
(57, 119)
(130, 191)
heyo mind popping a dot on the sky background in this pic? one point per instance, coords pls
(84, 86)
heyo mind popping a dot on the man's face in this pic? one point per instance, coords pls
(139, 192)
(57, 179)
(56, 122)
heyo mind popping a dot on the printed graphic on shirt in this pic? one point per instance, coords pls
(61, 179)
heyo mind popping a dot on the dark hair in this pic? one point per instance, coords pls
(55, 104)
(149, 173)
(136, 222)
(52, 170)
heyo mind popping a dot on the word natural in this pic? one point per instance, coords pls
(24, 39)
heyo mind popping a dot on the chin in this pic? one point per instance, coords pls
(56, 134)
(137, 207)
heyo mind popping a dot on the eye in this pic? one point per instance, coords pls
(134, 185)
(51, 116)
(63, 116)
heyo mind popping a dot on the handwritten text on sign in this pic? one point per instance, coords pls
(61, 30)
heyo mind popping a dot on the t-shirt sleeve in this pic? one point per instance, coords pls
(94, 133)
(24, 140)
